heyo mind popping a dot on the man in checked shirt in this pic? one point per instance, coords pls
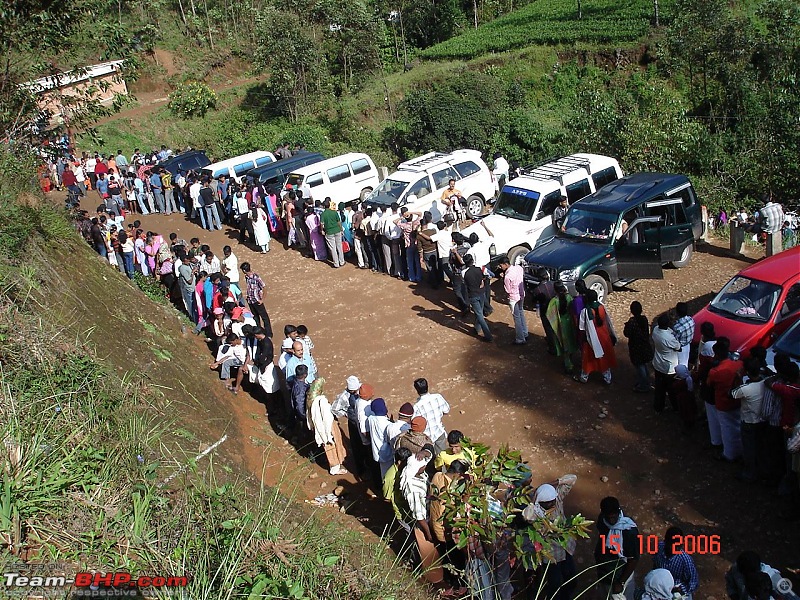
(684, 332)
(433, 407)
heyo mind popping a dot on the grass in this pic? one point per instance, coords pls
(550, 22)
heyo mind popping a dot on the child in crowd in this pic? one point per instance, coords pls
(231, 354)
(302, 335)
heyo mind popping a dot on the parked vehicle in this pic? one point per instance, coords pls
(523, 212)
(626, 231)
(758, 304)
(191, 160)
(237, 166)
(343, 178)
(419, 183)
(274, 175)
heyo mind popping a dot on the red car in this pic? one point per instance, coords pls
(758, 304)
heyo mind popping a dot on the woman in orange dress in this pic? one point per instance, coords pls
(599, 341)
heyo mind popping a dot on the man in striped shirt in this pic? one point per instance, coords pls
(670, 556)
(255, 298)
(684, 332)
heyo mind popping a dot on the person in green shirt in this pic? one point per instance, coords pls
(332, 228)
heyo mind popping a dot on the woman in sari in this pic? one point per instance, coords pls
(260, 228)
(598, 348)
(560, 318)
(275, 223)
(323, 425)
(315, 233)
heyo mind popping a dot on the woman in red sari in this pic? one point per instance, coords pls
(600, 338)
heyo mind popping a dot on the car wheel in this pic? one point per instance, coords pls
(598, 284)
(686, 256)
(364, 193)
(474, 206)
(517, 252)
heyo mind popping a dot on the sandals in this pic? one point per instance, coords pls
(578, 379)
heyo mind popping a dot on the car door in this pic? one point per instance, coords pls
(419, 197)
(691, 207)
(788, 311)
(441, 179)
(673, 228)
(638, 256)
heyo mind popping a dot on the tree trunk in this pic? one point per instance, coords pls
(580, 10)
(475, 12)
(194, 10)
(183, 14)
(655, 12)
(208, 25)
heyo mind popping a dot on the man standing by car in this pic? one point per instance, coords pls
(515, 288)
(560, 213)
(476, 294)
(665, 358)
(209, 204)
(684, 332)
(771, 216)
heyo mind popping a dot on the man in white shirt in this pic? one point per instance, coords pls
(230, 265)
(210, 263)
(194, 194)
(382, 452)
(390, 235)
(666, 350)
(444, 244)
(751, 396)
(433, 407)
(500, 170)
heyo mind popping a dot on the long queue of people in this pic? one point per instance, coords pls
(410, 458)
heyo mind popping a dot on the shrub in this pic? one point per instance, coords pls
(192, 100)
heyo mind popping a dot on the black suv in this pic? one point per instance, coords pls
(191, 160)
(625, 231)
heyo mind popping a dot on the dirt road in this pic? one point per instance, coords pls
(389, 332)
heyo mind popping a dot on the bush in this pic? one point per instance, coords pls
(192, 100)
(152, 288)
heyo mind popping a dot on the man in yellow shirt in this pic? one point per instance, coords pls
(455, 451)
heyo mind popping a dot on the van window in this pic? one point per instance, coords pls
(264, 160)
(686, 195)
(242, 168)
(442, 178)
(338, 173)
(420, 188)
(314, 180)
(466, 169)
(360, 166)
(549, 204)
(670, 213)
(604, 177)
(579, 189)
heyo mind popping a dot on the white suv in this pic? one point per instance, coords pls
(419, 183)
(522, 215)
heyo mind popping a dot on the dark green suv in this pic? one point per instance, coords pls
(625, 231)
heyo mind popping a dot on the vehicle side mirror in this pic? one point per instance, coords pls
(540, 215)
(410, 198)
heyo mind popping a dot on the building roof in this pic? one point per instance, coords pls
(69, 77)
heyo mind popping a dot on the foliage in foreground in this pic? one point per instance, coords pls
(474, 511)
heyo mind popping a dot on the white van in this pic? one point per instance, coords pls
(343, 178)
(419, 183)
(522, 215)
(236, 167)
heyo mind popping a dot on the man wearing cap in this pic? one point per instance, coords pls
(415, 437)
(433, 407)
(515, 288)
(617, 550)
(548, 503)
(350, 404)
(382, 452)
(402, 424)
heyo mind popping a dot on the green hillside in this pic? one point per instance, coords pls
(555, 22)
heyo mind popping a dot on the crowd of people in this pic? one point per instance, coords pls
(410, 459)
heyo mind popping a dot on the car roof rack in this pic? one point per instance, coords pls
(426, 160)
(555, 168)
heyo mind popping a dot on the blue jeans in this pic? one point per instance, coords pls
(477, 303)
(414, 268)
(101, 250)
(212, 217)
(159, 197)
(127, 261)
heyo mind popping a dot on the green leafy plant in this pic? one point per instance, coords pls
(486, 506)
(192, 99)
(151, 288)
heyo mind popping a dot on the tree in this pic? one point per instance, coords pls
(29, 31)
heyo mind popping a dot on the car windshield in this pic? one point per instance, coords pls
(516, 203)
(391, 187)
(789, 343)
(589, 224)
(748, 299)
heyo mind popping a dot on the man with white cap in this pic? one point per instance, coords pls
(548, 503)
(350, 404)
